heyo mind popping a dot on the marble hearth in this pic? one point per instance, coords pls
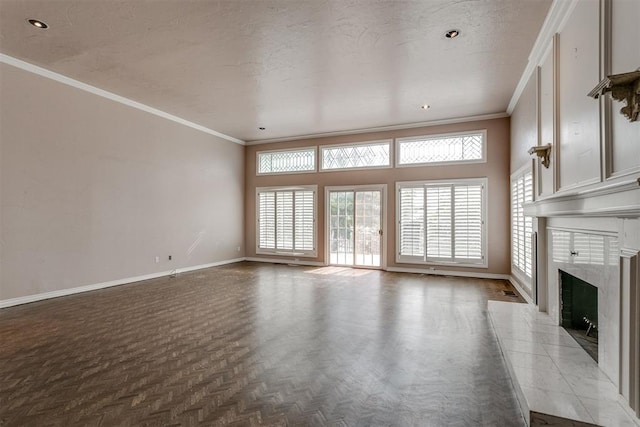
(556, 381)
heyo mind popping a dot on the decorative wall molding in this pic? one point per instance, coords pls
(6, 59)
(556, 18)
(70, 291)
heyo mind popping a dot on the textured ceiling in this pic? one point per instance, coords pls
(295, 67)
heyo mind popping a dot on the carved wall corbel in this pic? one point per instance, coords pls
(624, 87)
(543, 152)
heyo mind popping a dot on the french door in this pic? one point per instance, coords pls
(354, 231)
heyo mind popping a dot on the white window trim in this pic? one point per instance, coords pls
(399, 142)
(284, 150)
(520, 275)
(407, 259)
(306, 254)
(357, 144)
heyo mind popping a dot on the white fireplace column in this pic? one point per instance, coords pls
(630, 327)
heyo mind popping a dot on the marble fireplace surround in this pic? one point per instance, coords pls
(594, 236)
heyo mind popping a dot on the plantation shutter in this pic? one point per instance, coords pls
(521, 226)
(439, 215)
(304, 221)
(286, 220)
(441, 222)
(267, 220)
(528, 225)
(518, 242)
(468, 222)
(412, 221)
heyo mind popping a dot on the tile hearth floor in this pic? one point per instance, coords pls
(551, 373)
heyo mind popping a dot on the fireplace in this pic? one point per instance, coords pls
(595, 251)
(593, 234)
(579, 311)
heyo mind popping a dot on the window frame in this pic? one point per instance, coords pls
(321, 149)
(313, 149)
(425, 260)
(399, 141)
(283, 252)
(521, 275)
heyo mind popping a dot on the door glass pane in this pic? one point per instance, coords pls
(341, 227)
(367, 232)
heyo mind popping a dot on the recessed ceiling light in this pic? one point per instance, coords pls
(425, 106)
(452, 34)
(38, 24)
(261, 128)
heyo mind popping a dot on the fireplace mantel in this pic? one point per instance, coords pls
(621, 200)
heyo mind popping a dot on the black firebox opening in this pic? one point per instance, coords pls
(580, 312)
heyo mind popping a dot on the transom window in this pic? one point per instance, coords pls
(286, 221)
(460, 147)
(521, 226)
(374, 154)
(442, 222)
(286, 161)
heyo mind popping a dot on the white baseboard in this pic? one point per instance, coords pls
(64, 292)
(521, 291)
(70, 291)
(213, 264)
(478, 275)
(285, 261)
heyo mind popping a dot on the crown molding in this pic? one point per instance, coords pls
(381, 128)
(555, 20)
(6, 59)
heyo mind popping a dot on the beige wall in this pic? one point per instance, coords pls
(92, 190)
(496, 169)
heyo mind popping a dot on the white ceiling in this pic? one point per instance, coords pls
(296, 67)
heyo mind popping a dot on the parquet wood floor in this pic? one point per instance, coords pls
(253, 344)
